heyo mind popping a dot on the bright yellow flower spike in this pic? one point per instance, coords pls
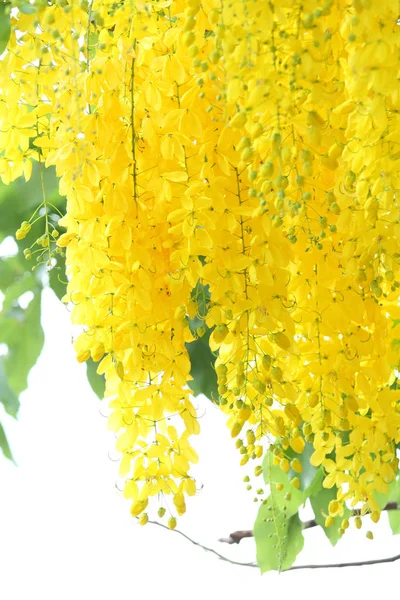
(253, 147)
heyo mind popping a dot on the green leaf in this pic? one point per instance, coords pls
(394, 521)
(96, 381)
(202, 359)
(289, 499)
(21, 330)
(11, 268)
(394, 494)
(320, 502)
(26, 8)
(92, 43)
(202, 370)
(19, 200)
(316, 484)
(5, 27)
(309, 473)
(394, 515)
(7, 397)
(4, 444)
(381, 499)
(278, 537)
(19, 286)
(57, 278)
(391, 494)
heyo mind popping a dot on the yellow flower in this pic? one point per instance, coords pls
(192, 167)
(172, 522)
(143, 519)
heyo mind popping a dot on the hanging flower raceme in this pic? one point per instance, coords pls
(251, 147)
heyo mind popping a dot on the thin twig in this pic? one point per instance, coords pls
(306, 525)
(220, 556)
(361, 563)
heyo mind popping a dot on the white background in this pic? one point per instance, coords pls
(67, 534)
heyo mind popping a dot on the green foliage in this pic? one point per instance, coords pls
(19, 200)
(278, 529)
(21, 332)
(11, 269)
(203, 372)
(202, 359)
(92, 43)
(8, 397)
(26, 8)
(5, 28)
(4, 444)
(393, 495)
(96, 381)
(320, 502)
(278, 537)
(383, 499)
(57, 278)
(394, 521)
(274, 475)
(308, 477)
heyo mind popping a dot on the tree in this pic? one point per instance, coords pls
(231, 175)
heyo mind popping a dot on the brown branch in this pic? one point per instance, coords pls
(237, 536)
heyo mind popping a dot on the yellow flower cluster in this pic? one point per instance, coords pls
(251, 146)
